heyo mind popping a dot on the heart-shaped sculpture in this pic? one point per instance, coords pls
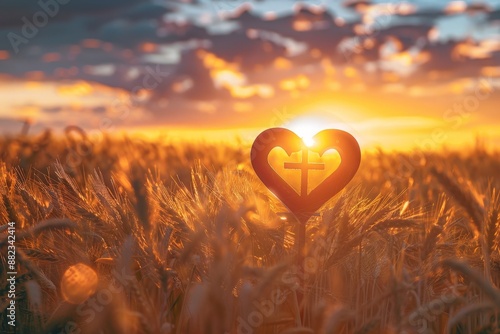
(305, 204)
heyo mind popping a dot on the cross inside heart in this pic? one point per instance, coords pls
(291, 169)
(304, 170)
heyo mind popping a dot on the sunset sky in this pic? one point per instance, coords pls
(395, 74)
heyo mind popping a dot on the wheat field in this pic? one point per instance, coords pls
(127, 236)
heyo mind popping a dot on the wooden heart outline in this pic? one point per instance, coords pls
(343, 142)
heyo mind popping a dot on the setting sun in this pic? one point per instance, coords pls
(306, 128)
(308, 141)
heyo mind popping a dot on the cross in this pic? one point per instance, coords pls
(304, 166)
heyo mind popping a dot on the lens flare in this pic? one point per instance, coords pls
(78, 283)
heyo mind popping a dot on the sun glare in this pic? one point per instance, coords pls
(308, 141)
(306, 128)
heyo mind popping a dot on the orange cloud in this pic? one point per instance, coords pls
(4, 55)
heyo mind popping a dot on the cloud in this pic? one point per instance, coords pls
(11, 11)
(198, 67)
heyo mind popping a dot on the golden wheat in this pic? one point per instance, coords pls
(184, 239)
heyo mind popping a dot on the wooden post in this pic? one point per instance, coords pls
(300, 245)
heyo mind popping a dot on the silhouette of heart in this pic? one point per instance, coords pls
(305, 204)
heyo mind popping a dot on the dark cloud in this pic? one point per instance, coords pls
(249, 52)
(11, 11)
(494, 16)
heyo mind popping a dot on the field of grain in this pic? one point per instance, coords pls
(127, 236)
